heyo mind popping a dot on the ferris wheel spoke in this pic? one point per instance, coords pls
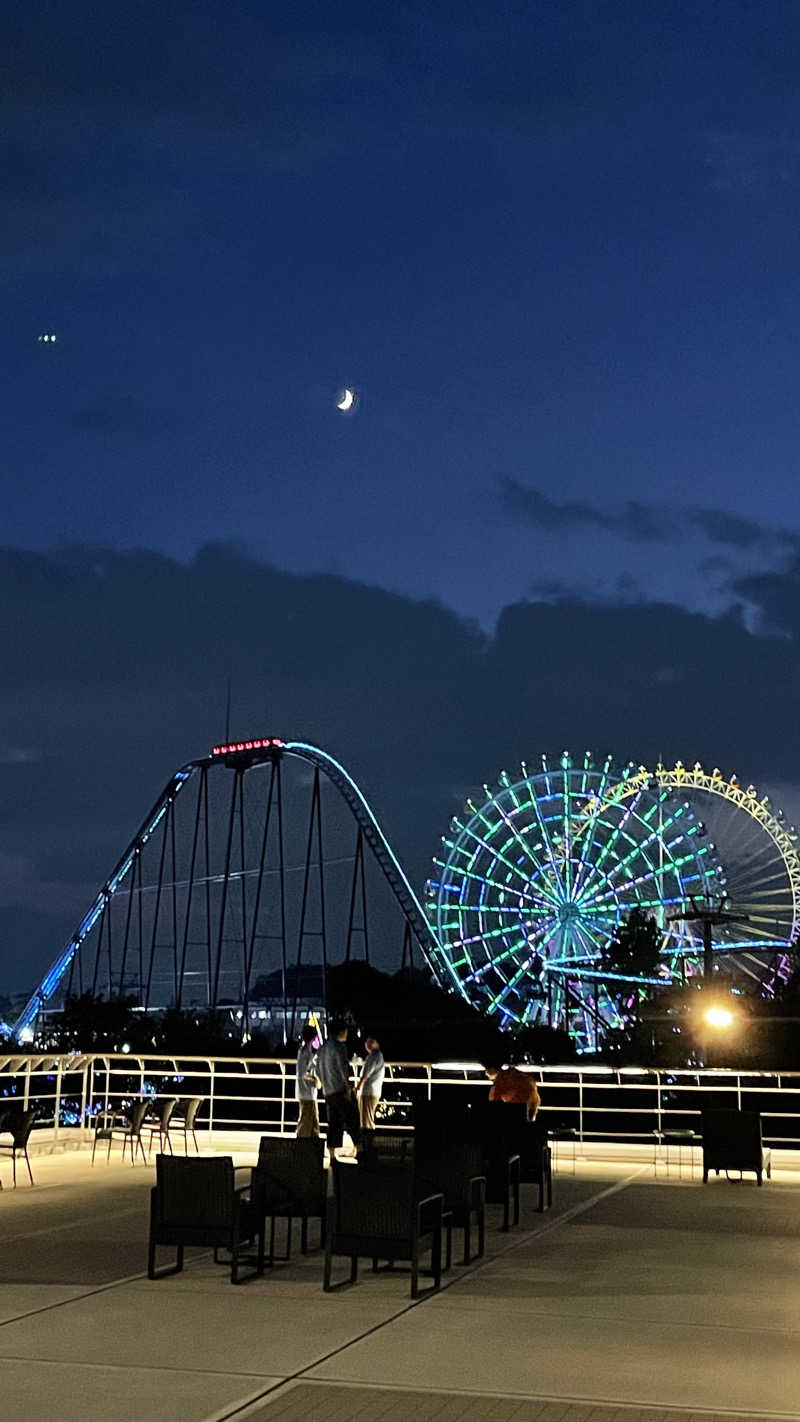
(522, 841)
(548, 842)
(483, 879)
(497, 854)
(609, 844)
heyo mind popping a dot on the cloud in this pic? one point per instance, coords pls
(19, 755)
(117, 664)
(638, 522)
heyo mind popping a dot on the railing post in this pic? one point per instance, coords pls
(580, 1107)
(26, 1092)
(84, 1075)
(57, 1112)
(283, 1098)
(658, 1101)
(211, 1102)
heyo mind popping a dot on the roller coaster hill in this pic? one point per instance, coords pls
(259, 867)
(262, 865)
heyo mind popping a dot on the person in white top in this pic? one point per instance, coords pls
(370, 1084)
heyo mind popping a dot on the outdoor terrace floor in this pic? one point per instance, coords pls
(634, 1298)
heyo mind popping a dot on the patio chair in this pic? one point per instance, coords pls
(18, 1124)
(375, 1214)
(455, 1169)
(732, 1141)
(159, 1124)
(387, 1147)
(289, 1182)
(196, 1202)
(494, 1126)
(125, 1126)
(536, 1160)
(182, 1121)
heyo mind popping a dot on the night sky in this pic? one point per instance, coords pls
(554, 249)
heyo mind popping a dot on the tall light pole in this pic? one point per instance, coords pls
(708, 917)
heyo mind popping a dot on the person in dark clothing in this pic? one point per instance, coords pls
(340, 1099)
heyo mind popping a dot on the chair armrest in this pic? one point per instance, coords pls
(477, 1191)
(429, 1203)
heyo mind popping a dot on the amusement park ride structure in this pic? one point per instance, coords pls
(264, 859)
(533, 880)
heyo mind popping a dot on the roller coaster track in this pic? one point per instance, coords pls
(246, 754)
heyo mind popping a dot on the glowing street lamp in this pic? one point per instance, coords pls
(719, 1017)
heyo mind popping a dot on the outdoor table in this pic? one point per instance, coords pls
(677, 1139)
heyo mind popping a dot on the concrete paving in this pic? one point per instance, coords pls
(635, 1298)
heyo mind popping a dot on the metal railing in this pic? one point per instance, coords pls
(243, 1094)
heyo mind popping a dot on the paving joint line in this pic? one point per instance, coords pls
(242, 1409)
(567, 1400)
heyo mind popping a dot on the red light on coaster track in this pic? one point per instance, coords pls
(265, 743)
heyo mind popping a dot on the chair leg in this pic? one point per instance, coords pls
(94, 1147)
(27, 1162)
(481, 1231)
(326, 1276)
(415, 1275)
(194, 1138)
(108, 1152)
(304, 1234)
(152, 1272)
(468, 1239)
(235, 1255)
(14, 1166)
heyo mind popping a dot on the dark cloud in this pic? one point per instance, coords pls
(776, 598)
(637, 522)
(116, 667)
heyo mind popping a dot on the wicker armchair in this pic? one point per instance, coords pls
(481, 1123)
(375, 1214)
(289, 1182)
(18, 1124)
(456, 1169)
(732, 1141)
(196, 1202)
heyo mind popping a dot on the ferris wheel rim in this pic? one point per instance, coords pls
(729, 789)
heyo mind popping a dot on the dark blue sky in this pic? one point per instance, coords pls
(553, 246)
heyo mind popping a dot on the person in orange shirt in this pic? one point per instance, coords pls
(510, 1084)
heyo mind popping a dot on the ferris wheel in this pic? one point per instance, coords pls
(758, 850)
(532, 881)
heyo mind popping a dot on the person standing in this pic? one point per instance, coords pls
(340, 1102)
(514, 1086)
(370, 1084)
(307, 1084)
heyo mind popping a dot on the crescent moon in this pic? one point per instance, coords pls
(347, 401)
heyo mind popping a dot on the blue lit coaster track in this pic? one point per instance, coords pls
(220, 884)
